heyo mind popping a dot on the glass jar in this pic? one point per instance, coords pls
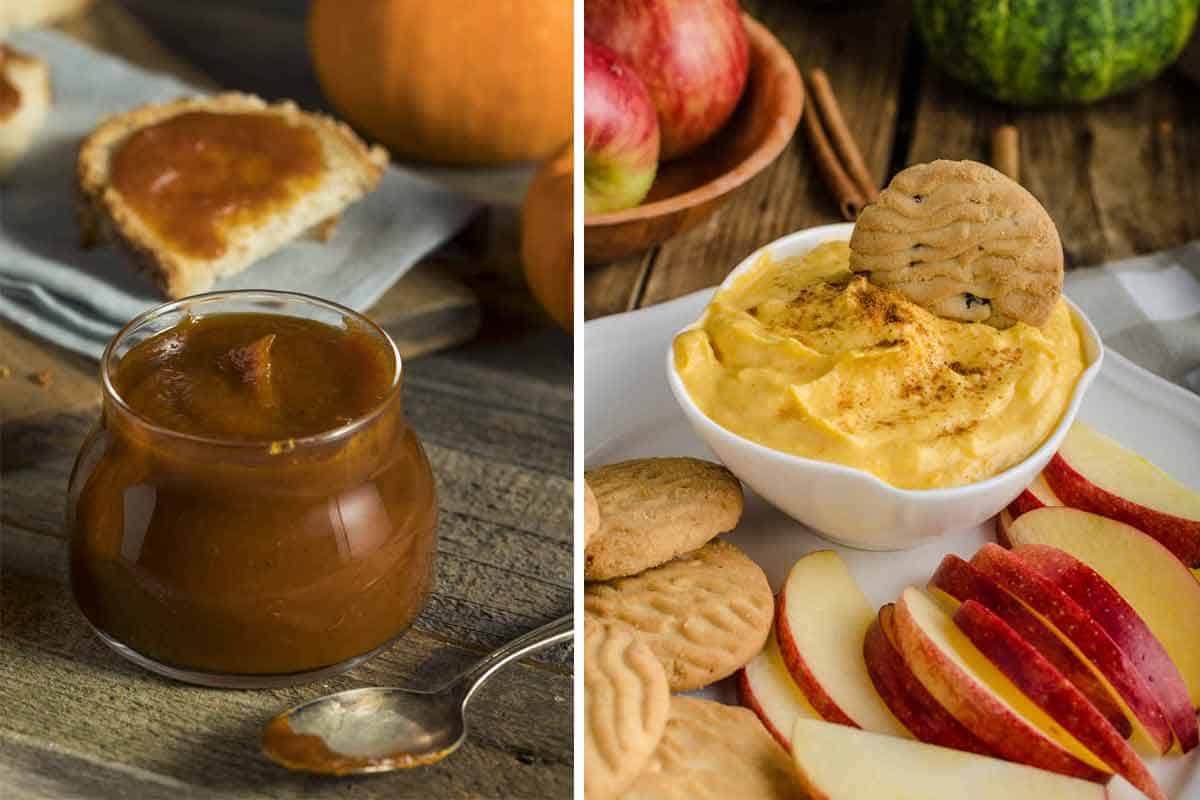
(250, 564)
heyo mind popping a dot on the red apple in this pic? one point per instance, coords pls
(1004, 521)
(693, 56)
(1152, 580)
(766, 687)
(1053, 693)
(821, 622)
(979, 696)
(908, 699)
(620, 133)
(1098, 597)
(961, 581)
(1037, 495)
(1093, 473)
(1076, 626)
(834, 762)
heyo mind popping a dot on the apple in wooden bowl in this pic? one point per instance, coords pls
(689, 188)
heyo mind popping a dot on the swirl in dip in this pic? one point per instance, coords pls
(804, 357)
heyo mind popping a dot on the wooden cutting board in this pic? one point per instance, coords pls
(427, 310)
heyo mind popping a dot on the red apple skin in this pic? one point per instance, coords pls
(620, 133)
(907, 697)
(1180, 536)
(747, 698)
(1030, 499)
(1076, 625)
(801, 674)
(1098, 597)
(923, 655)
(693, 56)
(1003, 520)
(962, 581)
(1053, 693)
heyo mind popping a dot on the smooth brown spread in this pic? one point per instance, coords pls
(195, 175)
(10, 95)
(263, 552)
(304, 751)
(261, 377)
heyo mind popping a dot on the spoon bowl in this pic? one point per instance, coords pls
(378, 729)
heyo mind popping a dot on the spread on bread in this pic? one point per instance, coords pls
(194, 175)
(10, 95)
(200, 188)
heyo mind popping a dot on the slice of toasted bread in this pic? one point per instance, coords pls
(30, 78)
(17, 15)
(351, 169)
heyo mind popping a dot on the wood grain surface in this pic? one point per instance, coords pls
(495, 418)
(1119, 178)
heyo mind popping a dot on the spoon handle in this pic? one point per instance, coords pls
(560, 630)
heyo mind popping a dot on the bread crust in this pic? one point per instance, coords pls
(104, 215)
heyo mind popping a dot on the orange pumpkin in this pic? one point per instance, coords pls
(547, 238)
(467, 81)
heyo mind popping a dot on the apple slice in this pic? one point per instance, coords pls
(1093, 473)
(1054, 694)
(822, 621)
(840, 763)
(1161, 590)
(1077, 628)
(908, 699)
(959, 581)
(1004, 521)
(1037, 495)
(1098, 597)
(979, 696)
(766, 687)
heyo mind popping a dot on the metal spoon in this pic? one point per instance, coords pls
(379, 729)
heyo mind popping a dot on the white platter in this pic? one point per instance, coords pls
(629, 413)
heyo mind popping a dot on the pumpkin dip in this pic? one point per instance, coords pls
(804, 357)
(253, 501)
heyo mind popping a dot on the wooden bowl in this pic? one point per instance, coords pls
(688, 189)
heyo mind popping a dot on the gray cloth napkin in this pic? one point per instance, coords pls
(1147, 308)
(78, 299)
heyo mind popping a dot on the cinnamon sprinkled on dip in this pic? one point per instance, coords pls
(805, 357)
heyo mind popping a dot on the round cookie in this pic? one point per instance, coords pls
(591, 514)
(625, 705)
(711, 750)
(965, 242)
(704, 614)
(653, 509)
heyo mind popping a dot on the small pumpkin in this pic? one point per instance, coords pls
(469, 81)
(1033, 52)
(547, 237)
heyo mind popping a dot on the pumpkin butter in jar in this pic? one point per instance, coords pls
(252, 508)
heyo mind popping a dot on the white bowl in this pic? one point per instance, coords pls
(853, 507)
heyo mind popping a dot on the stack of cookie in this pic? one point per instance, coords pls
(671, 608)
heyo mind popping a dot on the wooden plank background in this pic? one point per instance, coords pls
(495, 417)
(1119, 178)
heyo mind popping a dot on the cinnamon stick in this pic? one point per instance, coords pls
(839, 133)
(849, 198)
(1006, 151)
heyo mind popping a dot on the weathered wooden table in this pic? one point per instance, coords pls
(1120, 177)
(495, 417)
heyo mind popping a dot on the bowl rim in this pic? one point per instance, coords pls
(841, 232)
(760, 39)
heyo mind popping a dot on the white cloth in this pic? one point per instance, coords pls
(1147, 308)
